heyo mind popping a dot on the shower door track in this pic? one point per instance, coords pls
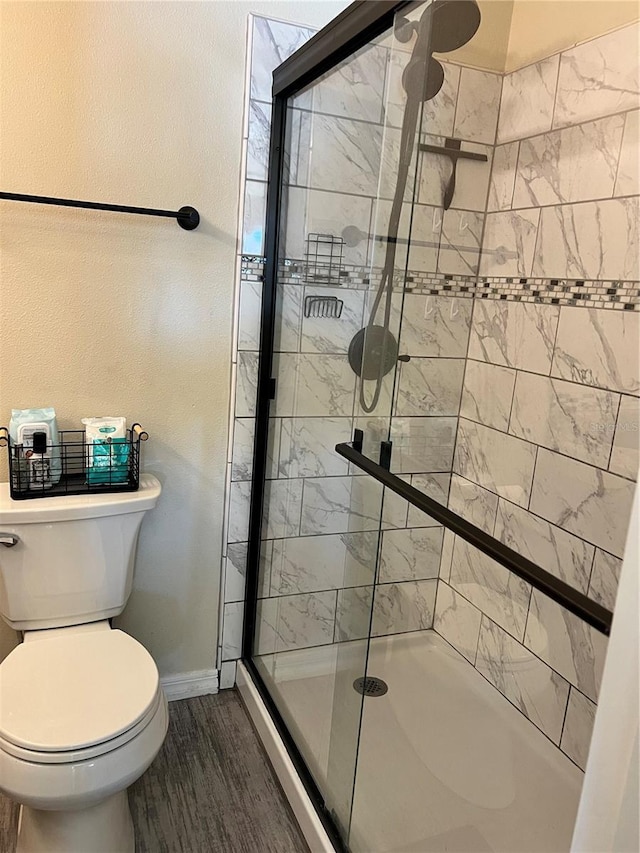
(566, 596)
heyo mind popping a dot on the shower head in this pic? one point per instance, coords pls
(444, 26)
(453, 23)
(413, 78)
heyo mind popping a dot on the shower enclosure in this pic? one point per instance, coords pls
(445, 455)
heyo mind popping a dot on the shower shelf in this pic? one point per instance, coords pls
(575, 602)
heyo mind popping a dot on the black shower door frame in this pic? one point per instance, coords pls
(353, 29)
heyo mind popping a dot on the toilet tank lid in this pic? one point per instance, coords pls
(72, 507)
(75, 689)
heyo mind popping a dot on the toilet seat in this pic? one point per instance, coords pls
(75, 694)
(75, 756)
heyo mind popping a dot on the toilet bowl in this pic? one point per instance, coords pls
(82, 716)
(82, 712)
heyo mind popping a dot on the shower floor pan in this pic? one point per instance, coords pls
(446, 763)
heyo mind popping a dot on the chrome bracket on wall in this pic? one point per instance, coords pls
(451, 149)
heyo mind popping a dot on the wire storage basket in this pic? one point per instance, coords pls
(67, 467)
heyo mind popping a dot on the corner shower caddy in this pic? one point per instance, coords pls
(73, 452)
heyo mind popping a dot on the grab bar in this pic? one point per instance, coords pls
(571, 599)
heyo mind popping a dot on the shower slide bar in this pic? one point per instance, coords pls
(187, 217)
(575, 602)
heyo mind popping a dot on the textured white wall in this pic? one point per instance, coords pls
(132, 103)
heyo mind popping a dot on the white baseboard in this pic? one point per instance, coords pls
(186, 685)
(302, 807)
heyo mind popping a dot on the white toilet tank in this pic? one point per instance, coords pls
(74, 555)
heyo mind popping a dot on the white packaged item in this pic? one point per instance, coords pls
(25, 422)
(107, 450)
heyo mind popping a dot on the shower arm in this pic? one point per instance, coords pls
(451, 149)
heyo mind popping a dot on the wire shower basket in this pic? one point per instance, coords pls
(66, 469)
(323, 256)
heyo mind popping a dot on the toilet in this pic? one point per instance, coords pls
(82, 712)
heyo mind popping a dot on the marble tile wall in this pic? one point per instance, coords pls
(535, 467)
(563, 197)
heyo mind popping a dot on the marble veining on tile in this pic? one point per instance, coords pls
(478, 105)
(473, 503)
(343, 504)
(460, 242)
(605, 575)
(584, 500)
(273, 42)
(572, 419)
(436, 326)
(282, 502)
(600, 348)
(307, 447)
(509, 242)
(422, 444)
(578, 726)
(402, 607)
(501, 463)
(430, 386)
(527, 100)
(232, 630)
(346, 153)
(353, 614)
(352, 88)
(493, 589)
(286, 336)
(313, 385)
(599, 78)
(552, 168)
(628, 180)
(535, 689)
(593, 239)
(258, 140)
(503, 175)
(514, 334)
(457, 621)
(570, 646)
(435, 486)
(295, 622)
(311, 564)
(626, 451)
(487, 394)
(239, 496)
(246, 384)
(412, 554)
(564, 555)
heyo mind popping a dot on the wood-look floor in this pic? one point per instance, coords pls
(211, 788)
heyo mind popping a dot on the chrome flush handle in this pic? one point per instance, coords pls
(9, 539)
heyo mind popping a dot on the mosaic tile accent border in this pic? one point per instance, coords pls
(618, 295)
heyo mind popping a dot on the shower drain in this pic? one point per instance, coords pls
(370, 686)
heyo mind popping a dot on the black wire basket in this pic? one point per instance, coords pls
(67, 468)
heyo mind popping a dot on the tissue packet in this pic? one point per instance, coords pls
(107, 450)
(46, 417)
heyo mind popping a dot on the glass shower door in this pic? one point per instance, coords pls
(344, 238)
